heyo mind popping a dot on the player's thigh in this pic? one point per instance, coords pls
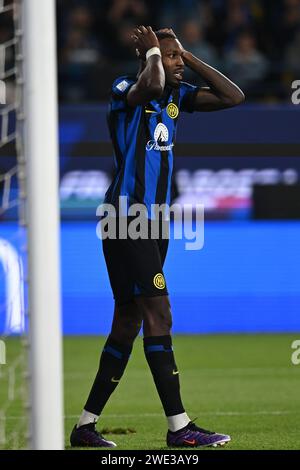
(163, 245)
(134, 268)
(147, 268)
(121, 278)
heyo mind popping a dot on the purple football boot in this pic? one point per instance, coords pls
(193, 436)
(88, 436)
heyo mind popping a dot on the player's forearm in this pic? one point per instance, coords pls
(224, 88)
(152, 79)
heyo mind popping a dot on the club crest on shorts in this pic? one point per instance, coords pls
(159, 281)
(172, 110)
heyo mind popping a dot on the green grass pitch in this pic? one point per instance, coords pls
(242, 385)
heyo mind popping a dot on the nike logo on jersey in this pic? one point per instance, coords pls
(175, 372)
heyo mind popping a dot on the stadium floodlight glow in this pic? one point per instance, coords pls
(41, 152)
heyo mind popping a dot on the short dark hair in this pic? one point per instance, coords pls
(161, 34)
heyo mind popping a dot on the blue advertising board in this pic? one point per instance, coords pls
(245, 279)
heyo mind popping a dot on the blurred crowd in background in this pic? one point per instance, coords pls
(255, 42)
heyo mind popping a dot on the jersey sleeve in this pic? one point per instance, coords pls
(120, 88)
(187, 97)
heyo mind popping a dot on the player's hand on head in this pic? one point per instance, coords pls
(167, 30)
(186, 57)
(144, 39)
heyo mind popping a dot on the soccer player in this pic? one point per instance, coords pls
(143, 115)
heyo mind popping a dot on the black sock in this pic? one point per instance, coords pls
(160, 357)
(113, 362)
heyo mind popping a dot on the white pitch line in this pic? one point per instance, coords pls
(224, 371)
(204, 413)
(159, 415)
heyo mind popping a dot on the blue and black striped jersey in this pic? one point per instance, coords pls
(143, 138)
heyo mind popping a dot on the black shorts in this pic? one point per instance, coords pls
(135, 267)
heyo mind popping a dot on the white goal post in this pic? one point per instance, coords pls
(41, 156)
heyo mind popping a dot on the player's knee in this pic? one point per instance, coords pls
(132, 326)
(164, 316)
(127, 323)
(155, 325)
(126, 330)
(157, 316)
(132, 331)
